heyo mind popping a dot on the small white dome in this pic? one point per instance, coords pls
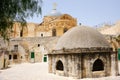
(81, 37)
(54, 12)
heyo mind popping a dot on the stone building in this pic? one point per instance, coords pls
(83, 52)
(22, 49)
(3, 58)
(17, 52)
(112, 34)
(55, 24)
(111, 30)
(23, 31)
(33, 41)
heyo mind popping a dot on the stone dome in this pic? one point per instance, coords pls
(54, 12)
(81, 37)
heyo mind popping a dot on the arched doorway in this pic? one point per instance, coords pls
(21, 33)
(4, 65)
(65, 30)
(98, 65)
(53, 32)
(59, 65)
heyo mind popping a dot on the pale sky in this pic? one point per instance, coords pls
(87, 12)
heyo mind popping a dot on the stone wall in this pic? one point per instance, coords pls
(28, 45)
(3, 59)
(81, 65)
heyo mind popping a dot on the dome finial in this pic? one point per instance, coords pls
(54, 6)
(54, 11)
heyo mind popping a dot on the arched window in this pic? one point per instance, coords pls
(15, 56)
(98, 65)
(10, 57)
(41, 35)
(65, 30)
(38, 45)
(16, 47)
(21, 33)
(59, 66)
(53, 32)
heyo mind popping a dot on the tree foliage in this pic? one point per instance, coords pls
(117, 38)
(16, 10)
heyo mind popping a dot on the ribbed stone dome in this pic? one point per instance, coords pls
(54, 12)
(81, 37)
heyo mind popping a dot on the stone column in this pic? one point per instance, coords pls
(88, 66)
(73, 65)
(114, 64)
(76, 66)
(80, 67)
(50, 63)
(69, 65)
(105, 66)
(108, 61)
(53, 65)
(65, 64)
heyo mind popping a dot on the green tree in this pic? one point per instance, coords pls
(118, 39)
(16, 10)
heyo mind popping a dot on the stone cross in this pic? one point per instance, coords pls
(54, 6)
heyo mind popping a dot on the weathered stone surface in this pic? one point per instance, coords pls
(82, 59)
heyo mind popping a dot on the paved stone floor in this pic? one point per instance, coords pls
(37, 71)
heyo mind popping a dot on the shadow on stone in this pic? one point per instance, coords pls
(5, 68)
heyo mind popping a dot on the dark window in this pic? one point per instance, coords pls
(65, 30)
(98, 65)
(15, 47)
(42, 35)
(59, 66)
(54, 32)
(38, 45)
(21, 33)
(14, 56)
(10, 57)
